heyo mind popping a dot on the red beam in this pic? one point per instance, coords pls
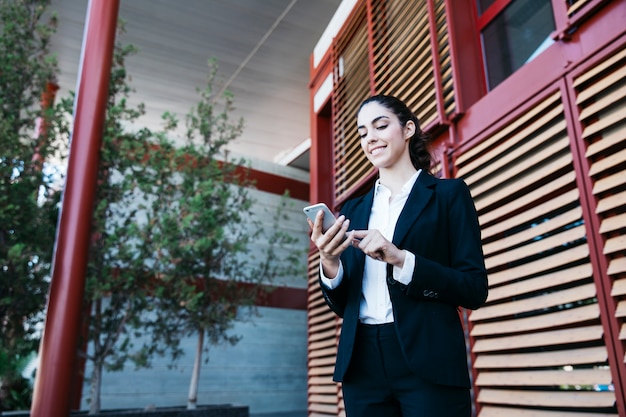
(57, 352)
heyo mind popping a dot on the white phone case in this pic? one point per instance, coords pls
(329, 217)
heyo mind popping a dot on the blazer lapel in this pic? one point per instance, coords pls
(422, 191)
(361, 217)
(359, 220)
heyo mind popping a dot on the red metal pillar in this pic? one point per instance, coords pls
(57, 352)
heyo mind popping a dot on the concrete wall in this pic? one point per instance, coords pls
(266, 370)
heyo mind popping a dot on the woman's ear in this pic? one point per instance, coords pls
(409, 129)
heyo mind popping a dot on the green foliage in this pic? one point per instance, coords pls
(117, 290)
(172, 229)
(28, 198)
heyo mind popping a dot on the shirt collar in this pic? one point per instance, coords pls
(406, 188)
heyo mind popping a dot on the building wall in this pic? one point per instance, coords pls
(543, 155)
(266, 371)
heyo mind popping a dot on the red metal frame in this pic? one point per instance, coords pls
(491, 13)
(467, 59)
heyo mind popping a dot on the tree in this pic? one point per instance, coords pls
(171, 227)
(29, 135)
(204, 227)
(118, 281)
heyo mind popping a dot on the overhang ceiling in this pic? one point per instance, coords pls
(262, 48)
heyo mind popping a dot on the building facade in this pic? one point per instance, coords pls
(526, 100)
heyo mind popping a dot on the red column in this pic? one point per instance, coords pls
(57, 352)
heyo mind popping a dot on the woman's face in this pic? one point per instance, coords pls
(383, 139)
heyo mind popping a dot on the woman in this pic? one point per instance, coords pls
(396, 265)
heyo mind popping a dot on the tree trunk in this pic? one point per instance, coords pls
(192, 400)
(96, 383)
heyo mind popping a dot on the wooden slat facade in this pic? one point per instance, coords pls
(547, 170)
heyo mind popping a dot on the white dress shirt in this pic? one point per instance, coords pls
(375, 301)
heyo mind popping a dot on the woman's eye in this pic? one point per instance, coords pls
(381, 127)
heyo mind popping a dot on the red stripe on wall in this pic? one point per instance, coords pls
(277, 184)
(284, 297)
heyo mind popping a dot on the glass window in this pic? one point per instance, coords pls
(483, 5)
(515, 36)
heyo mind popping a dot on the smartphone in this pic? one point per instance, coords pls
(329, 217)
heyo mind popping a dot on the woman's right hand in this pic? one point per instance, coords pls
(331, 243)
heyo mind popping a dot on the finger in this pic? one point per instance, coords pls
(360, 234)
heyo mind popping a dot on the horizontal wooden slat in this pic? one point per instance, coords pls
(611, 202)
(592, 91)
(319, 335)
(534, 170)
(537, 246)
(619, 286)
(515, 124)
(557, 260)
(492, 163)
(607, 163)
(323, 408)
(321, 380)
(606, 100)
(549, 338)
(544, 321)
(490, 411)
(543, 282)
(536, 212)
(324, 389)
(581, 292)
(613, 223)
(323, 361)
(323, 399)
(573, 399)
(610, 182)
(582, 356)
(318, 353)
(529, 233)
(617, 266)
(611, 138)
(614, 245)
(608, 120)
(504, 210)
(620, 311)
(544, 378)
(598, 69)
(322, 344)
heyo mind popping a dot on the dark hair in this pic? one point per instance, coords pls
(418, 143)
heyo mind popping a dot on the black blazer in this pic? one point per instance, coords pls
(439, 225)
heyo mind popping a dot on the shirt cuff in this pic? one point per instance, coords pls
(404, 275)
(332, 283)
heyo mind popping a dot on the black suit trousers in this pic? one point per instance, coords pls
(379, 383)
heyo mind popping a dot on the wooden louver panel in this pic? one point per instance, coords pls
(403, 57)
(601, 100)
(351, 88)
(445, 58)
(538, 341)
(322, 350)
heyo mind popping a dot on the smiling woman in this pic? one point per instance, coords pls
(412, 256)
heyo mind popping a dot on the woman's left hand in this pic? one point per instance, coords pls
(374, 245)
